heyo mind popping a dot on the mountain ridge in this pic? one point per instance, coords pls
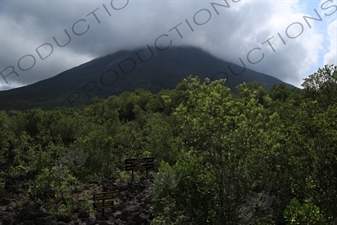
(126, 70)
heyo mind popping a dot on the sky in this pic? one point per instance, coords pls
(288, 39)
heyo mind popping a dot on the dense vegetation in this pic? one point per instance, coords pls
(256, 157)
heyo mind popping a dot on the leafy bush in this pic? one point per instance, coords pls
(307, 213)
(183, 192)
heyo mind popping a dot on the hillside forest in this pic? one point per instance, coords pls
(257, 156)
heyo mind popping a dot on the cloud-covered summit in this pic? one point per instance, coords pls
(286, 39)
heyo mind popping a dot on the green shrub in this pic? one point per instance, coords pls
(306, 213)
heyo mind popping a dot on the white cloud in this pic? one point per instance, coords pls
(331, 56)
(229, 35)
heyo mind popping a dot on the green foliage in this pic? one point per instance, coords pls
(232, 137)
(102, 157)
(183, 192)
(24, 155)
(53, 189)
(74, 159)
(322, 85)
(254, 157)
(2, 179)
(306, 213)
(5, 136)
(160, 139)
(40, 190)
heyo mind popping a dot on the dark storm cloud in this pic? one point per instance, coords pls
(227, 29)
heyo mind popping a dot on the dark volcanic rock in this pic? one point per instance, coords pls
(134, 202)
(63, 218)
(91, 221)
(117, 214)
(8, 219)
(140, 219)
(4, 197)
(45, 220)
(83, 215)
(29, 212)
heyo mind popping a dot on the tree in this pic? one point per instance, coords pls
(6, 137)
(184, 192)
(233, 135)
(160, 140)
(322, 85)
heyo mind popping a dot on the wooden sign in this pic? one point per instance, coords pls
(102, 205)
(139, 165)
(103, 196)
(103, 200)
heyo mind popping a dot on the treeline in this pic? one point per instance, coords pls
(255, 157)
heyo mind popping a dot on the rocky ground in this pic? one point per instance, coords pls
(134, 200)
